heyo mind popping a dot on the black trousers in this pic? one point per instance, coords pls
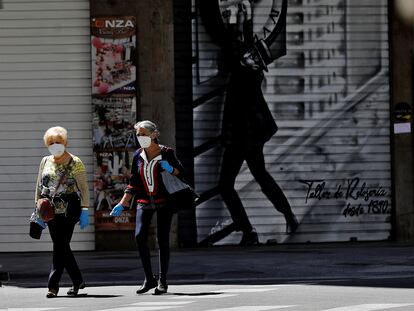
(143, 221)
(61, 231)
(232, 161)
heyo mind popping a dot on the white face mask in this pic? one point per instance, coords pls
(56, 149)
(144, 141)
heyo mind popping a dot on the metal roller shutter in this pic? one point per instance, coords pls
(44, 81)
(330, 98)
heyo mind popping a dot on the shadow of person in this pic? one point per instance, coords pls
(90, 296)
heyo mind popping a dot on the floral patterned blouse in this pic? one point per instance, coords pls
(73, 182)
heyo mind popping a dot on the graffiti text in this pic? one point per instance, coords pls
(360, 198)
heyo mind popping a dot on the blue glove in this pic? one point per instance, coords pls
(41, 223)
(84, 219)
(117, 210)
(166, 166)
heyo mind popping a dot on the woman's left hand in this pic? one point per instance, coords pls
(166, 166)
(84, 218)
(36, 219)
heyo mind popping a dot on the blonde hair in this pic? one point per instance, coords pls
(56, 131)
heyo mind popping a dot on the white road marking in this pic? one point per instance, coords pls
(271, 285)
(214, 296)
(245, 290)
(136, 308)
(370, 307)
(31, 309)
(161, 303)
(251, 308)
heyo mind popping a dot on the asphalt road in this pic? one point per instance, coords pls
(325, 277)
(210, 297)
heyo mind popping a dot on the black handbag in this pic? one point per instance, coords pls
(35, 230)
(183, 200)
(181, 195)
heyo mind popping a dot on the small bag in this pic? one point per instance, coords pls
(181, 195)
(45, 209)
(35, 230)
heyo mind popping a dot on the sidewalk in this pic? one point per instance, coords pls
(259, 264)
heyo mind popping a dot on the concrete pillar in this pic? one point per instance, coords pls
(401, 49)
(155, 42)
(155, 76)
(155, 63)
(187, 227)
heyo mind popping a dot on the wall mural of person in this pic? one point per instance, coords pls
(247, 122)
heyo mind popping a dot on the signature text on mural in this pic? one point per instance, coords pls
(360, 198)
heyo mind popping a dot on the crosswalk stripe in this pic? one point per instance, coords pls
(161, 303)
(251, 308)
(270, 285)
(215, 296)
(370, 307)
(136, 308)
(245, 290)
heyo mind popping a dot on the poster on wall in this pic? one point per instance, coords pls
(113, 43)
(112, 172)
(113, 49)
(113, 123)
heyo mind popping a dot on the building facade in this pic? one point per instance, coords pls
(341, 97)
(45, 81)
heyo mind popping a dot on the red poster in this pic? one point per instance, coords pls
(113, 48)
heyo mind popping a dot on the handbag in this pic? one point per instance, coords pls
(35, 230)
(45, 209)
(181, 195)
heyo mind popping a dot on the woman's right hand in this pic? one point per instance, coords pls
(117, 210)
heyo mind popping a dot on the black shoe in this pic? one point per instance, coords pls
(249, 238)
(292, 224)
(147, 285)
(161, 288)
(52, 293)
(75, 289)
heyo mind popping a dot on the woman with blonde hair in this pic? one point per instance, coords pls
(62, 180)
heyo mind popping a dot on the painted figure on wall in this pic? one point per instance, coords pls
(247, 121)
